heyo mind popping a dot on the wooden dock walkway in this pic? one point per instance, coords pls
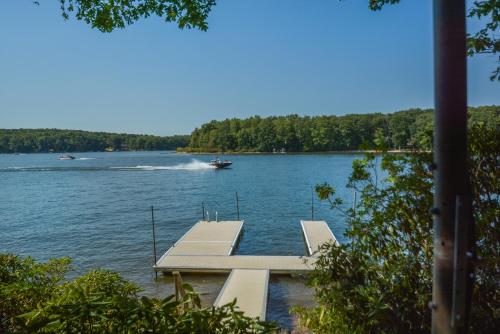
(250, 288)
(316, 233)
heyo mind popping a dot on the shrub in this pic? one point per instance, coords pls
(381, 281)
(24, 284)
(34, 298)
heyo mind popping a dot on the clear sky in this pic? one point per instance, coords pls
(259, 57)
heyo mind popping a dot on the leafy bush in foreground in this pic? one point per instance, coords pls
(24, 284)
(381, 281)
(34, 299)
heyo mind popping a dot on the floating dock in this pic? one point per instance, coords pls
(207, 238)
(316, 233)
(208, 247)
(249, 288)
(224, 264)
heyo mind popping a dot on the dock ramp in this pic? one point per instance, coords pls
(250, 288)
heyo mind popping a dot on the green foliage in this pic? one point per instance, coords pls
(54, 140)
(34, 299)
(409, 129)
(485, 40)
(484, 150)
(378, 4)
(380, 139)
(381, 281)
(107, 15)
(24, 284)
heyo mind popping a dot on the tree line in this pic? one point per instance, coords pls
(55, 140)
(405, 129)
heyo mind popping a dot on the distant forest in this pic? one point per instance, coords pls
(407, 129)
(54, 140)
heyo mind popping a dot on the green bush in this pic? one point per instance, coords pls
(35, 299)
(24, 284)
(381, 280)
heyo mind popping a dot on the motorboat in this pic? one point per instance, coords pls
(219, 164)
(66, 157)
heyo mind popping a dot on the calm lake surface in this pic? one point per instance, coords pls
(96, 209)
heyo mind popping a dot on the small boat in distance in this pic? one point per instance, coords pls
(219, 164)
(66, 157)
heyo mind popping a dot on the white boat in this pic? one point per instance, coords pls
(66, 157)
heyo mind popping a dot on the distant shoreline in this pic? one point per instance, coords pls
(301, 153)
(180, 152)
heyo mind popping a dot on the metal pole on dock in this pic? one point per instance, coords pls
(312, 204)
(203, 209)
(154, 236)
(238, 205)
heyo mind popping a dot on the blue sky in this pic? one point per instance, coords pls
(259, 57)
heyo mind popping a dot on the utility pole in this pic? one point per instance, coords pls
(453, 223)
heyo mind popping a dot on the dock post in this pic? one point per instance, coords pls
(180, 293)
(154, 237)
(238, 205)
(203, 209)
(312, 204)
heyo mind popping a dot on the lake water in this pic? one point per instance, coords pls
(96, 209)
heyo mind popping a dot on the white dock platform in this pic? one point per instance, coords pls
(250, 288)
(207, 238)
(224, 264)
(316, 233)
(208, 247)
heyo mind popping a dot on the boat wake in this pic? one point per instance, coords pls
(86, 159)
(193, 165)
